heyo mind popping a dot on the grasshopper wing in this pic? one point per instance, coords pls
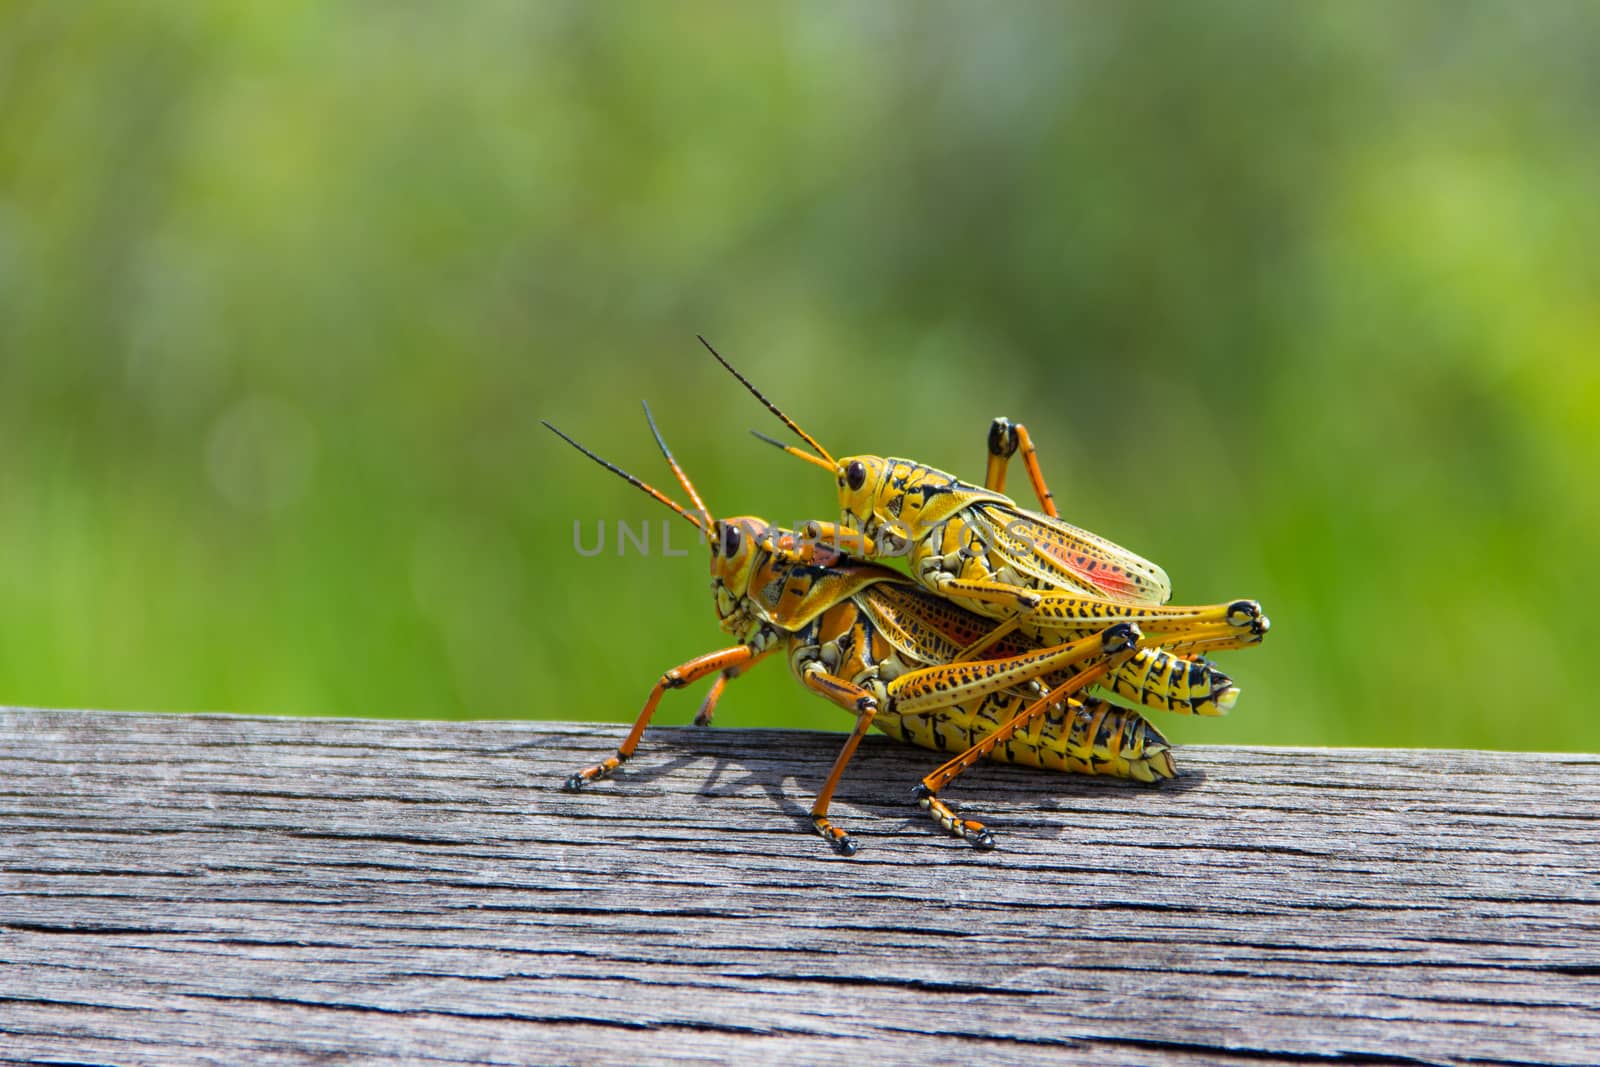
(921, 626)
(1063, 555)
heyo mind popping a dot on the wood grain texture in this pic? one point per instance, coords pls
(215, 889)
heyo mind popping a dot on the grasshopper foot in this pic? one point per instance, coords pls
(1242, 613)
(594, 774)
(842, 843)
(974, 833)
(1120, 636)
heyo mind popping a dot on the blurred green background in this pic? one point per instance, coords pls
(1302, 301)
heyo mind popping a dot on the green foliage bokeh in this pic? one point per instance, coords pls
(1299, 300)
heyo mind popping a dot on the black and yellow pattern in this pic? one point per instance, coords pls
(1032, 571)
(930, 670)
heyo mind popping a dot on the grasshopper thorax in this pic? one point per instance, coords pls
(893, 500)
(780, 580)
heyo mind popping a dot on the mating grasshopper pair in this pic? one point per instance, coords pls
(1017, 615)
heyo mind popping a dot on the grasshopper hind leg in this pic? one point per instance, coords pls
(1119, 645)
(974, 833)
(1005, 439)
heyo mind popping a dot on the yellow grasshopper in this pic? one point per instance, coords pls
(877, 645)
(1034, 572)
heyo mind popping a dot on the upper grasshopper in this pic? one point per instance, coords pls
(981, 549)
(872, 642)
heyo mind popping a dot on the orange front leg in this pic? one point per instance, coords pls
(708, 707)
(685, 674)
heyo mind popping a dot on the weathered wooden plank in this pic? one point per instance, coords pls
(213, 889)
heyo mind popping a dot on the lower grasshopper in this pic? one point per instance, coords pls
(878, 646)
(977, 547)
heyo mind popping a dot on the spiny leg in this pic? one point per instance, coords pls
(932, 688)
(1030, 460)
(1005, 437)
(988, 640)
(678, 677)
(941, 686)
(927, 790)
(1116, 645)
(1067, 613)
(708, 707)
(1071, 612)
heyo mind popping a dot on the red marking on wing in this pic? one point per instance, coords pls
(1101, 576)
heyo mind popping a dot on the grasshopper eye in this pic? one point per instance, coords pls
(730, 540)
(856, 474)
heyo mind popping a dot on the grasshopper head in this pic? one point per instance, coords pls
(860, 480)
(734, 546)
